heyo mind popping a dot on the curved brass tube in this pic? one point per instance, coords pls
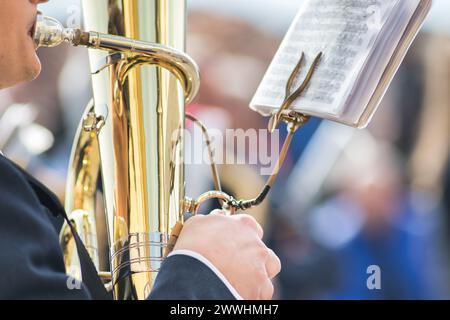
(81, 185)
(50, 33)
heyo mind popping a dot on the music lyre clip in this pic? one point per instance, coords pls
(290, 96)
(294, 121)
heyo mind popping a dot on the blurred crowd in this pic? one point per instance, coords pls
(346, 199)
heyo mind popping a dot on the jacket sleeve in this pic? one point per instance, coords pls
(185, 278)
(31, 262)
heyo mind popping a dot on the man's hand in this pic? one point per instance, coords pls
(233, 245)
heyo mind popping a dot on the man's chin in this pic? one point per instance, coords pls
(33, 70)
(25, 70)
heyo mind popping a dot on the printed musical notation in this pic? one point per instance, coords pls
(345, 31)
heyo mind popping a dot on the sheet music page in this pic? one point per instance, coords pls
(345, 31)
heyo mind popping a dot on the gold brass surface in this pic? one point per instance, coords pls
(133, 134)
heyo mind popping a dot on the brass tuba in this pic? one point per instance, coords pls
(130, 142)
(126, 136)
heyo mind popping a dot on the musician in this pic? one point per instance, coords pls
(207, 263)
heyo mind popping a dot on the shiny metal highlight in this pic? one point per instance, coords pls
(132, 136)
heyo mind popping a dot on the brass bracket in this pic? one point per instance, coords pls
(93, 121)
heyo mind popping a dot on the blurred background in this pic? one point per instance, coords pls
(347, 199)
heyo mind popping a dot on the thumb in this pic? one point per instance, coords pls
(221, 212)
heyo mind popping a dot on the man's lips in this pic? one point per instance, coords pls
(32, 27)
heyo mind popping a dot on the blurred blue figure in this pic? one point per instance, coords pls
(405, 252)
(376, 221)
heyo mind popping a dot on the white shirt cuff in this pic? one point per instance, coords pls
(208, 263)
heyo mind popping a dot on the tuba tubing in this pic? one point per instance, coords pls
(50, 33)
(130, 136)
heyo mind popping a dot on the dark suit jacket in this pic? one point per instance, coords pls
(31, 262)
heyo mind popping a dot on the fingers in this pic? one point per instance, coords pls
(244, 232)
(273, 264)
(250, 222)
(219, 212)
(266, 291)
(244, 219)
(273, 267)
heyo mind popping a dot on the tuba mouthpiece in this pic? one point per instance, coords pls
(49, 32)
